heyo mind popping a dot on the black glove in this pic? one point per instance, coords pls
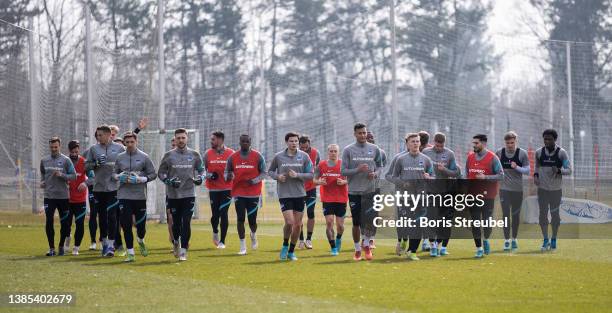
(212, 175)
(101, 160)
(198, 180)
(174, 182)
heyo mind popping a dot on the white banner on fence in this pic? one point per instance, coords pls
(571, 210)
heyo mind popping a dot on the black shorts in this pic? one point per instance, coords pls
(334, 208)
(62, 206)
(78, 210)
(220, 200)
(293, 204)
(361, 208)
(311, 200)
(168, 211)
(90, 197)
(549, 199)
(133, 207)
(183, 206)
(246, 207)
(510, 201)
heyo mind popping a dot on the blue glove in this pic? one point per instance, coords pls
(133, 179)
(123, 178)
(174, 182)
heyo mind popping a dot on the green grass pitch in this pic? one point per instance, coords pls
(573, 279)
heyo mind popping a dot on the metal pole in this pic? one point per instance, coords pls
(162, 78)
(570, 107)
(162, 105)
(196, 146)
(394, 121)
(551, 100)
(262, 74)
(33, 113)
(19, 185)
(492, 143)
(89, 78)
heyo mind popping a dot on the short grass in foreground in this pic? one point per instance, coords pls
(573, 279)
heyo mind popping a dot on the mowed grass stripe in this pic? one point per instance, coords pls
(559, 282)
(121, 289)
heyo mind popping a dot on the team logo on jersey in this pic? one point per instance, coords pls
(420, 163)
(189, 159)
(370, 151)
(299, 157)
(59, 163)
(412, 168)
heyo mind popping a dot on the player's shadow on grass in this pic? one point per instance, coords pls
(31, 258)
(161, 253)
(81, 258)
(273, 261)
(399, 259)
(114, 262)
(336, 261)
(202, 249)
(532, 252)
(163, 262)
(467, 258)
(220, 255)
(316, 257)
(160, 249)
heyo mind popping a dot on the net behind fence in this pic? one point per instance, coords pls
(319, 80)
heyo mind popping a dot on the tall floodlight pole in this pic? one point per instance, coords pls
(262, 111)
(570, 113)
(394, 121)
(33, 112)
(89, 77)
(162, 104)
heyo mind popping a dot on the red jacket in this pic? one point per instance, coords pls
(484, 167)
(314, 158)
(244, 170)
(81, 176)
(215, 162)
(332, 192)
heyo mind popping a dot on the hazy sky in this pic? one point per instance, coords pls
(511, 29)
